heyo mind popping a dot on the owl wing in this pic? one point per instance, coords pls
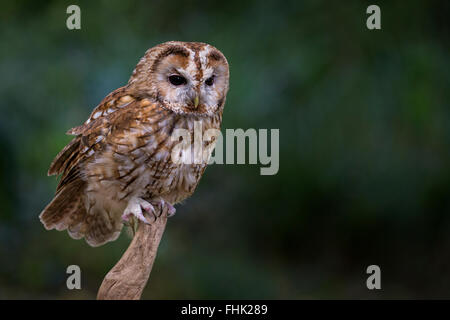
(121, 120)
(70, 156)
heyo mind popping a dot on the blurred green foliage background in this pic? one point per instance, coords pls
(364, 147)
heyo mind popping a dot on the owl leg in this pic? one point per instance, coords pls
(134, 208)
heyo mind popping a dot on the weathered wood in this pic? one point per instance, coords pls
(127, 279)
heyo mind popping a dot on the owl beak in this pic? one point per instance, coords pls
(196, 101)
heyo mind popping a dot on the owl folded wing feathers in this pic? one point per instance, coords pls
(67, 209)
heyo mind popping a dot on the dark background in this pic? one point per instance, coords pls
(364, 147)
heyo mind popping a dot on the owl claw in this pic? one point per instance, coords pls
(134, 208)
(170, 208)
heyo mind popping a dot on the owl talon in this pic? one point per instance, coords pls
(134, 208)
(170, 208)
(171, 211)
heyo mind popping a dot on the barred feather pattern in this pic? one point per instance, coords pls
(124, 149)
(115, 156)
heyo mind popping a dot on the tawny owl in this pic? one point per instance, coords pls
(120, 162)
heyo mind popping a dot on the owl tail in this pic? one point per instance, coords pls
(63, 159)
(66, 209)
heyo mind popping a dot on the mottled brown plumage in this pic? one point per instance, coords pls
(120, 160)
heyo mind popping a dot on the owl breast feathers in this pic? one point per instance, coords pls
(119, 165)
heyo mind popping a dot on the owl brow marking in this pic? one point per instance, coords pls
(173, 50)
(214, 55)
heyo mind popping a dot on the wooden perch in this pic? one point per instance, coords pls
(127, 279)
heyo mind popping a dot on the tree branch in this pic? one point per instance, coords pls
(127, 279)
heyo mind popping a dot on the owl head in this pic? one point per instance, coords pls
(185, 77)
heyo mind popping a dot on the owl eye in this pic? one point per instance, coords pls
(209, 81)
(177, 80)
